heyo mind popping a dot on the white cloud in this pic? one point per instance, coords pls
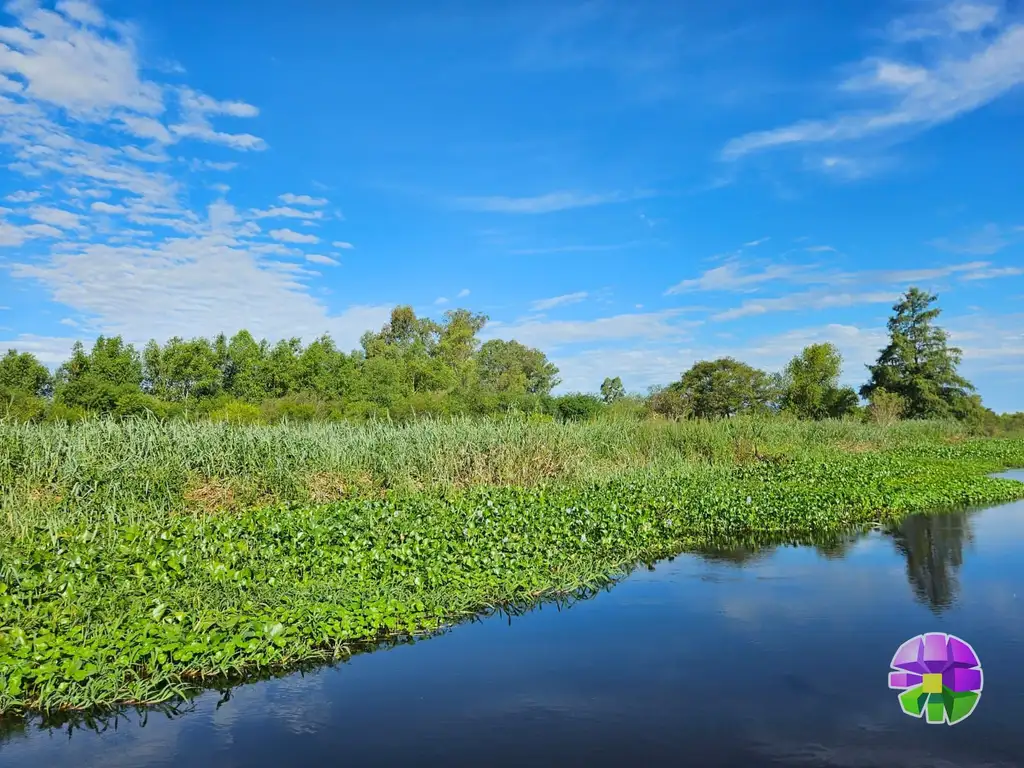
(441, 300)
(343, 245)
(316, 258)
(755, 243)
(101, 207)
(553, 201)
(23, 197)
(988, 240)
(68, 64)
(146, 128)
(200, 129)
(815, 299)
(11, 234)
(55, 216)
(282, 212)
(198, 107)
(190, 287)
(210, 165)
(463, 293)
(558, 301)
(965, 71)
(290, 199)
(43, 230)
(290, 236)
(730, 277)
(990, 273)
(647, 366)
(554, 333)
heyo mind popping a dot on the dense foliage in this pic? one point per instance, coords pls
(99, 613)
(415, 367)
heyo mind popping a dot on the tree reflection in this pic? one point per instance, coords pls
(933, 546)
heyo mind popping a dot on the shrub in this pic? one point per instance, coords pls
(577, 407)
(237, 412)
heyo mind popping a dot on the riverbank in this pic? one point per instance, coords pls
(107, 603)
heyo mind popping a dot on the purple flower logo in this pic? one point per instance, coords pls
(940, 677)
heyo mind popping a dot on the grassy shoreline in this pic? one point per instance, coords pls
(104, 604)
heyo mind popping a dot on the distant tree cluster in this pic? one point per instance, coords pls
(420, 367)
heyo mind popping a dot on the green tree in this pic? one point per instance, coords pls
(810, 384)
(724, 387)
(918, 364)
(612, 389)
(95, 380)
(182, 370)
(508, 366)
(23, 373)
(244, 371)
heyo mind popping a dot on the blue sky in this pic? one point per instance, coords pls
(630, 186)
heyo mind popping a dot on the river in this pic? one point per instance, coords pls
(746, 657)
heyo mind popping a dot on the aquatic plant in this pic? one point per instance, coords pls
(96, 610)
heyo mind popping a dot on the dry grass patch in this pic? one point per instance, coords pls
(213, 494)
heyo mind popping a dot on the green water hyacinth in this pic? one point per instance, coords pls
(95, 613)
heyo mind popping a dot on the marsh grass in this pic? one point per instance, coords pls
(124, 472)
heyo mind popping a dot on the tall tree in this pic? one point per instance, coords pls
(244, 373)
(508, 366)
(182, 370)
(612, 389)
(724, 387)
(810, 384)
(21, 372)
(918, 364)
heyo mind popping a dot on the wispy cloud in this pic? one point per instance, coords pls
(803, 300)
(555, 333)
(989, 240)
(755, 243)
(547, 203)
(343, 245)
(730, 277)
(291, 199)
(291, 236)
(558, 301)
(577, 248)
(286, 212)
(317, 258)
(463, 293)
(842, 289)
(972, 60)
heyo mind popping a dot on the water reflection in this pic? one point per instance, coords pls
(933, 547)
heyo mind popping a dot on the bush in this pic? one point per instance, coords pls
(237, 412)
(885, 407)
(134, 404)
(22, 407)
(577, 407)
(62, 412)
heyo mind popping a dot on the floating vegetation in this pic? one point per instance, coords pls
(98, 611)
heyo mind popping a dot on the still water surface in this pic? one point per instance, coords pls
(772, 657)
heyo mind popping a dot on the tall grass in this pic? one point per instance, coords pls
(122, 471)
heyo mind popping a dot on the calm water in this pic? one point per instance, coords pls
(742, 658)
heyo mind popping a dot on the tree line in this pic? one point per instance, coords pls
(416, 366)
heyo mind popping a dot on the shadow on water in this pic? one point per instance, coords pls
(931, 545)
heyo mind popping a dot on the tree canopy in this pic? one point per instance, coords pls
(810, 384)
